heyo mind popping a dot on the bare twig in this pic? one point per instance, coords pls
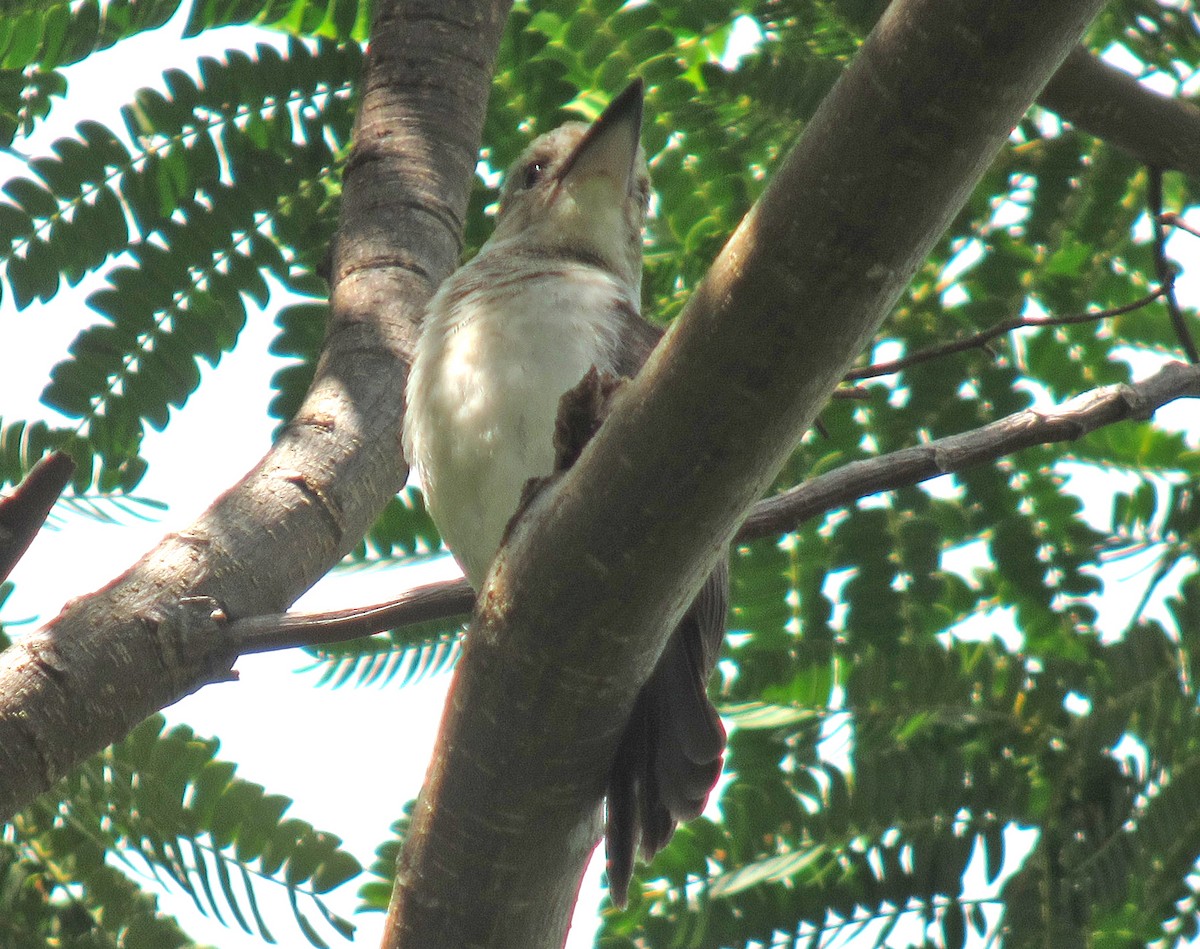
(786, 511)
(1171, 219)
(982, 338)
(24, 511)
(1071, 420)
(1163, 267)
(434, 601)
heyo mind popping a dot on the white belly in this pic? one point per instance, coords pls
(483, 395)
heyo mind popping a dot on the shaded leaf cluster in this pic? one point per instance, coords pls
(167, 808)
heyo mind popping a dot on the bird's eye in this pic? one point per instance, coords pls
(533, 173)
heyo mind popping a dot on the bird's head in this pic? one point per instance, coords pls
(582, 190)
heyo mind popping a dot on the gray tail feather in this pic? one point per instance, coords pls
(671, 753)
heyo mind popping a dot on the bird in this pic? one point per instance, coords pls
(553, 293)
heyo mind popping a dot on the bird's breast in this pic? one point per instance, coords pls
(495, 357)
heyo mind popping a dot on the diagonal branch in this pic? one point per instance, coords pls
(578, 605)
(1067, 422)
(983, 337)
(1171, 219)
(112, 658)
(1112, 105)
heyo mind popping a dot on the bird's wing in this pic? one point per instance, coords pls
(636, 339)
(672, 751)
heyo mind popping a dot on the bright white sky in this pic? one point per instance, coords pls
(321, 747)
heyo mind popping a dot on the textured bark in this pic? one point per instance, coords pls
(114, 657)
(1112, 105)
(578, 605)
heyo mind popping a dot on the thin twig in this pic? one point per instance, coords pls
(283, 631)
(783, 512)
(910, 466)
(982, 338)
(1166, 563)
(1163, 267)
(1171, 219)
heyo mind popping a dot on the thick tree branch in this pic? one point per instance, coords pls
(114, 657)
(578, 605)
(1112, 105)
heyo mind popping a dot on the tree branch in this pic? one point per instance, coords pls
(578, 605)
(25, 510)
(114, 657)
(1171, 219)
(284, 631)
(983, 337)
(1163, 268)
(1112, 105)
(782, 512)
(1067, 422)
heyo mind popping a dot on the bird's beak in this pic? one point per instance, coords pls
(609, 149)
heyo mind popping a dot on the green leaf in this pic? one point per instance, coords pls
(32, 197)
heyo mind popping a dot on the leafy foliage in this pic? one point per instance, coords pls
(163, 803)
(375, 894)
(213, 187)
(42, 909)
(404, 529)
(107, 508)
(908, 681)
(39, 39)
(406, 656)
